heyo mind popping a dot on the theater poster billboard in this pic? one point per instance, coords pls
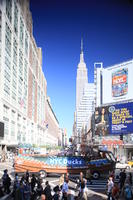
(114, 119)
(117, 83)
(120, 82)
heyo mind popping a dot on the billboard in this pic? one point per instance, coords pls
(120, 82)
(114, 119)
(117, 83)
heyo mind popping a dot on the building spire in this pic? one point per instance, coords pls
(81, 45)
(81, 53)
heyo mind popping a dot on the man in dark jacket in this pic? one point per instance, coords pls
(47, 191)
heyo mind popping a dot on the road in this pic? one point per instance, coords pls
(97, 189)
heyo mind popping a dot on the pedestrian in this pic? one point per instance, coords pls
(39, 189)
(130, 178)
(112, 174)
(115, 192)
(27, 191)
(122, 179)
(33, 182)
(21, 189)
(61, 181)
(6, 181)
(27, 176)
(47, 191)
(88, 175)
(82, 193)
(56, 195)
(4, 177)
(15, 185)
(65, 189)
(128, 192)
(110, 186)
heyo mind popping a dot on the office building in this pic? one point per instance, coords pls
(23, 86)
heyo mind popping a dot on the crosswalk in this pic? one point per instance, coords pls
(97, 185)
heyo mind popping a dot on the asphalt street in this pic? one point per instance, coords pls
(97, 190)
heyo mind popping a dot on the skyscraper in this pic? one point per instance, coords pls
(82, 77)
(85, 96)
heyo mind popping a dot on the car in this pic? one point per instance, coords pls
(120, 165)
(130, 163)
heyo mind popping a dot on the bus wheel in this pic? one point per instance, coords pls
(42, 174)
(96, 175)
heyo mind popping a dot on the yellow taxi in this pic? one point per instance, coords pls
(130, 163)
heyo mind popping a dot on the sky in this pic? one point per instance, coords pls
(106, 27)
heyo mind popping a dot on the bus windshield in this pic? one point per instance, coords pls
(110, 156)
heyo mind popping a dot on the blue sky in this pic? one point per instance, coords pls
(58, 25)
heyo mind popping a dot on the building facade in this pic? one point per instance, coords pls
(53, 135)
(114, 90)
(85, 97)
(23, 96)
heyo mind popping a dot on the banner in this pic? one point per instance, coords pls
(121, 118)
(114, 119)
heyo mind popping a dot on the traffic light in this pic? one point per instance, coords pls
(121, 137)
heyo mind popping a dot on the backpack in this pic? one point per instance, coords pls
(128, 193)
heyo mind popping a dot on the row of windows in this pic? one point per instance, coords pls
(8, 40)
(15, 19)
(9, 9)
(21, 35)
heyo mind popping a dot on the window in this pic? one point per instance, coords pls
(9, 9)
(8, 40)
(15, 46)
(15, 19)
(21, 36)
(26, 44)
(12, 128)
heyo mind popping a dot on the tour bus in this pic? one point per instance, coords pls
(98, 164)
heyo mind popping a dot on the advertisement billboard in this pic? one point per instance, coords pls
(117, 83)
(120, 82)
(114, 119)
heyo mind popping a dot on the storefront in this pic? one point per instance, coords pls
(116, 146)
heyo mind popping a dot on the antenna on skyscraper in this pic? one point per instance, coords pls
(81, 44)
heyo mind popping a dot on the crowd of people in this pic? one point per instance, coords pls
(121, 189)
(34, 188)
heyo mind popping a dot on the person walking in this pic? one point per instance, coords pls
(56, 195)
(27, 191)
(27, 176)
(33, 182)
(6, 181)
(122, 179)
(65, 189)
(61, 181)
(115, 192)
(110, 186)
(88, 176)
(128, 192)
(47, 191)
(130, 178)
(82, 193)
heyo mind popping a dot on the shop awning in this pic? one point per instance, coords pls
(112, 142)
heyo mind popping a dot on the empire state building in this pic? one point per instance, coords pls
(84, 98)
(82, 77)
